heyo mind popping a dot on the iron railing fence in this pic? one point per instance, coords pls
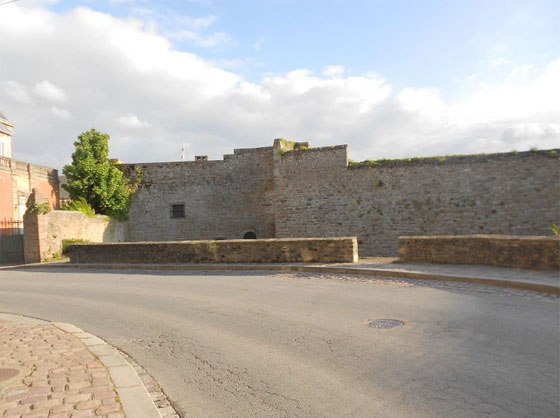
(11, 241)
(11, 227)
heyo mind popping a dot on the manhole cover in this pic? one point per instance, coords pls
(6, 374)
(383, 323)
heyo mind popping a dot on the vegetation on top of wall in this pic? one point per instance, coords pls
(37, 208)
(439, 158)
(97, 179)
(555, 229)
(81, 205)
(287, 142)
(66, 243)
(296, 146)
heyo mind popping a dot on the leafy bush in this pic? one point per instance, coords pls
(81, 205)
(38, 208)
(555, 229)
(96, 178)
(66, 243)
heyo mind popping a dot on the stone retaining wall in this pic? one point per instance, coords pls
(539, 253)
(325, 250)
(43, 234)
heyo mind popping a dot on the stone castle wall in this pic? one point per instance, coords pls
(318, 194)
(279, 192)
(222, 199)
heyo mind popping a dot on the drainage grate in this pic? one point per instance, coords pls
(7, 374)
(383, 323)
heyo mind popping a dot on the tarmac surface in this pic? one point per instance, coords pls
(250, 344)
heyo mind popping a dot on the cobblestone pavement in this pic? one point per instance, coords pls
(57, 376)
(438, 284)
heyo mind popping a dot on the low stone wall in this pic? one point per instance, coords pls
(43, 234)
(539, 253)
(325, 250)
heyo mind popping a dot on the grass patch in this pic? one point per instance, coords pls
(54, 257)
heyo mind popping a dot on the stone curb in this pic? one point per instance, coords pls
(133, 395)
(413, 275)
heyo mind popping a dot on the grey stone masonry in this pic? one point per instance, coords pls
(221, 199)
(325, 250)
(292, 190)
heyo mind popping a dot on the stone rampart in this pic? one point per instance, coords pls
(540, 253)
(319, 193)
(43, 234)
(286, 191)
(309, 250)
(220, 199)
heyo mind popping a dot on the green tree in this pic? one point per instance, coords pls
(95, 178)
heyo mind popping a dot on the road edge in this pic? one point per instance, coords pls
(398, 274)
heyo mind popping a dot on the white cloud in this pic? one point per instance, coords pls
(236, 64)
(499, 62)
(183, 28)
(130, 74)
(472, 77)
(334, 70)
(122, 1)
(258, 43)
(196, 23)
(198, 39)
(61, 113)
(16, 91)
(132, 121)
(49, 91)
(425, 103)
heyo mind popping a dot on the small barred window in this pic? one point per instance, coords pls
(178, 210)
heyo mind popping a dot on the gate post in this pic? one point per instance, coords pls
(31, 242)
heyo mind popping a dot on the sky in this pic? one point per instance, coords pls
(390, 78)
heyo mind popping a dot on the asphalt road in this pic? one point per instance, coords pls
(265, 345)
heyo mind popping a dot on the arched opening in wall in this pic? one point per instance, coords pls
(250, 235)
